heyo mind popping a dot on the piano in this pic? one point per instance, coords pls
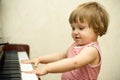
(10, 65)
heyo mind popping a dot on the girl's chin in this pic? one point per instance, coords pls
(79, 44)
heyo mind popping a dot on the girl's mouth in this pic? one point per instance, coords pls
(77, 37)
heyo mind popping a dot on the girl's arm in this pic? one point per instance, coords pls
(52, 57)
(88, 55)
(46, 59)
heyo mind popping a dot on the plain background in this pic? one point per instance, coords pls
(44, 26)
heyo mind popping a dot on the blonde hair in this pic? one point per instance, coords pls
(94, 14)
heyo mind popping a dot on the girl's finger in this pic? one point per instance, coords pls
(28, 72)
(36, 64)
(26, 61)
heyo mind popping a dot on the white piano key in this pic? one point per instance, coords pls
(26, 67)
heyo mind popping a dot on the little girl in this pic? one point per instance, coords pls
(82, 60)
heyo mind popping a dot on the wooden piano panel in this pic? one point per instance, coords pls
(17, 47)
(1, 49)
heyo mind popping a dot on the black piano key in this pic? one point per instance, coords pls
(4, 76)
(10, 57)
(9, 68)
(9, 64)
(11, 79)
(15, 71)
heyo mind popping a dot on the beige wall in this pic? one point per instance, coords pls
(1, 31)
(43, 24)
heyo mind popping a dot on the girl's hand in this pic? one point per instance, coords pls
(37, 71)
(35, 61)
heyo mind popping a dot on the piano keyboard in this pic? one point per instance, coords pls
(26, 67)
(10, 67)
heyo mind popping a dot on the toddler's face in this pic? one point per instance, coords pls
(82, 34)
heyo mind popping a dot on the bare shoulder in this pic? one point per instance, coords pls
(90, 51)
(92, 54)
(89, 55)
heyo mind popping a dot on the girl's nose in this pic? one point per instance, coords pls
(76, 31)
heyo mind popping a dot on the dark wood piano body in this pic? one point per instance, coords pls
(17, 47)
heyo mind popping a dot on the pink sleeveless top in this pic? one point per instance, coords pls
(87, 72)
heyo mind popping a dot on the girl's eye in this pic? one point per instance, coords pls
(81, 28)
(73, 28)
